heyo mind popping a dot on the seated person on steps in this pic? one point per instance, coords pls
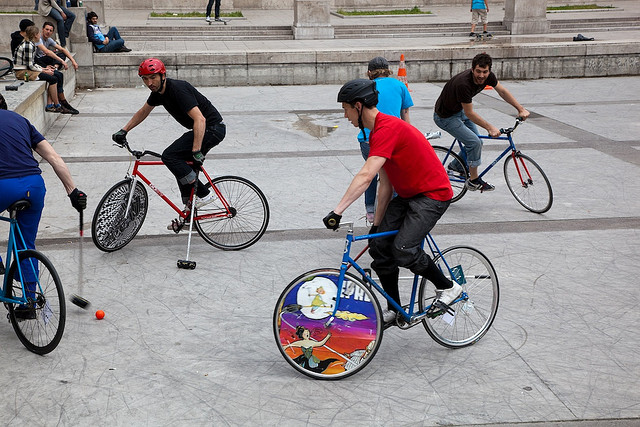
(111, 42)
(51, 53)
(26, 69)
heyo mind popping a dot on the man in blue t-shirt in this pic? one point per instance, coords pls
(21, 177)
(393, 99)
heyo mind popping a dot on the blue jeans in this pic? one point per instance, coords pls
(371, 191)
(465, 131)
(31, 188)
(179, 152)
(414, 217)
(64, 26)
(115, 42)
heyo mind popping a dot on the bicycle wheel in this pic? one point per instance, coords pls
(528, 183)
(42, 331)
(318, 350)
(247, 220)
(458, 179)
(475, 310)
(110, 229)
(6, 66)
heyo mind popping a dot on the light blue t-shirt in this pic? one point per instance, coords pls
(478, 4)
(393, 97)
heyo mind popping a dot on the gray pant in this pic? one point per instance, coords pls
(414, 217)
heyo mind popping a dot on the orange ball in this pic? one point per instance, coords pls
(99, 314)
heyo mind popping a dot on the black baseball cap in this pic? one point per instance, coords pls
(378, 63)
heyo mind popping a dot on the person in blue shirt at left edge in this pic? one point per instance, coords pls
(393, 99)
(21, 177)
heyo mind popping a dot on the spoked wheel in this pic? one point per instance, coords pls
(40, 323)
(528, 183)
(6, 66)
(475, 311)
(111, 229)
(327, 351)
(237, 218)
(458, 173)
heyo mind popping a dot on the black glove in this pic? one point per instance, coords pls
(372, 230)
(120, 137)
(78, 199)
(198, 157)
(332, 220)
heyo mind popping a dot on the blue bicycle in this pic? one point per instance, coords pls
(526, 180)
(32, 291)
(328, 322)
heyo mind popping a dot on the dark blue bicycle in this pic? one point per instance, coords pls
(32, 291)
(525, 178)
(328, 322)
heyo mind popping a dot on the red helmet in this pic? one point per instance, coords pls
(151, 66)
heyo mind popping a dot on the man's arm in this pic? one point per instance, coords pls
(475, 118)
(404, 115)
(510, 99)
(360, 182)
(51, 54)
(46, 151)
(68, 55)
(138, 117)
(199, 126)
(385, 193)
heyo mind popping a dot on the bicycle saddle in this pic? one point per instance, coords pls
(20, 205)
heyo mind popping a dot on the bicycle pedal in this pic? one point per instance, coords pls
(177, 225)
(438, 309)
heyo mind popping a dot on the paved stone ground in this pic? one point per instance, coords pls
(196, 347)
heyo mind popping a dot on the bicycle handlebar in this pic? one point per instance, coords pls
(136, 153)
(507, 131)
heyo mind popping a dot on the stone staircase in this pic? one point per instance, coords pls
(594, 24)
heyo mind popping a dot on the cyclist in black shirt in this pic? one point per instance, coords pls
(193, 111)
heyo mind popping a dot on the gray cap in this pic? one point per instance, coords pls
(378, 63)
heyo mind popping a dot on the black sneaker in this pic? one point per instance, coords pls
(454, 166)
(472, 34)
(479, 184)
(69, 107)
(487, 34)
(24, 312)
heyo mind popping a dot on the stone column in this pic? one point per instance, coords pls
(311, 20)
(526, 17)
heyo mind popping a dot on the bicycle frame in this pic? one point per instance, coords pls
(408, 315)
(137, 176)
(12, 250)
(510, 149)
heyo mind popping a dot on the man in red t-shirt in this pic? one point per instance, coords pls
(405, 162)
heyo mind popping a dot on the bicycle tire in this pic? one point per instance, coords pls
(534, 190)
(110, 230)
(356, 330)
(248, 222)
(458, 180)
(474, 314)
(6, 66)
(43, 333)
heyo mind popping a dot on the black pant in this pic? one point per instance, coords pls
(177, 154)
(217, 8)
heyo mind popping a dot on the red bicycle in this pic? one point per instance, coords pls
(236, 218)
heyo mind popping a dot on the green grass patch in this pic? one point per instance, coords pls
(414, 11)
(579, 7)
(20, 12)
(235, 14)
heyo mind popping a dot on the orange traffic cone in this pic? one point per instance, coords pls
(402, 72)
(487, 87)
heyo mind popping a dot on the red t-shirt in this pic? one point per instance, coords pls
(412, 166)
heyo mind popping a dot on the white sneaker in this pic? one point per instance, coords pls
(449, 295)
(208, 19)
(200, 202)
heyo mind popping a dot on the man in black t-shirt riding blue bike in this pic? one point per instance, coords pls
(193, 111)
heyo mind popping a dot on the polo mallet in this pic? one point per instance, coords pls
(185, 263)
(77, 299)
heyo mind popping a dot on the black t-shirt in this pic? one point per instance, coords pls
(179, 98)
(460, 90)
